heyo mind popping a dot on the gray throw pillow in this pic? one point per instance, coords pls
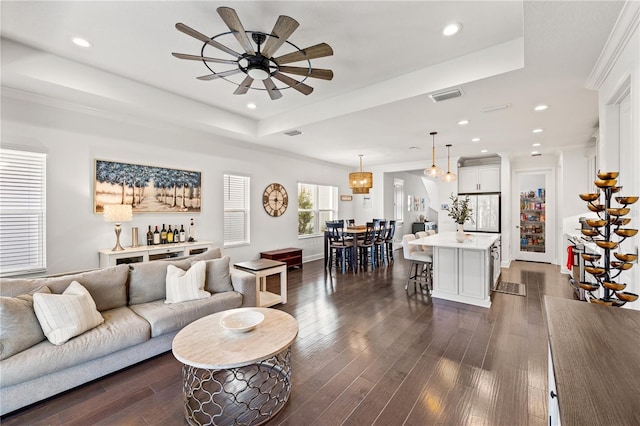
(218, 279)
(19, 326)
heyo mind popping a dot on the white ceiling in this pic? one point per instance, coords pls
(388, 56)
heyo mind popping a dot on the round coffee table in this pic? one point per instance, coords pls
(232, 377)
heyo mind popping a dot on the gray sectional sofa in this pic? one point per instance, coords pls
(137, 324)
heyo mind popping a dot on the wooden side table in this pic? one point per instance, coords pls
(262, 268)
(291, 255)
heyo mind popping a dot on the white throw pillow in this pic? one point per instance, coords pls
(186, 285)
(66, 315)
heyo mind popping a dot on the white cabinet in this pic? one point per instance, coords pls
(109, 257)
(478, 179)
(554, 407)
(473, 268)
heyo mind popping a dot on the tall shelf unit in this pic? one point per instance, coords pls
(532, 221)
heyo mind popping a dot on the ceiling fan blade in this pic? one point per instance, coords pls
(295, 84)
(199, 36)
(204, 58)
(244, 86)
(274, 93)
(313, 72)
(230, 17)
(318, 51)
(218, 75)
(284, 27)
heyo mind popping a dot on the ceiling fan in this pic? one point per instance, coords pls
(258, 63)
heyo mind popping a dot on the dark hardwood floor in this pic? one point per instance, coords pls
(366, 354)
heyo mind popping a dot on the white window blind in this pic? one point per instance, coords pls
(236, 210)
(22, 212)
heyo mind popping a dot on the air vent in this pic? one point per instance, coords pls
(536, 155)
(293, 133)
(495, 108)
(443, 96)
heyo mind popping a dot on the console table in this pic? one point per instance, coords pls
(262, 268)
(108, 257)
(235, 378)
(291, 255)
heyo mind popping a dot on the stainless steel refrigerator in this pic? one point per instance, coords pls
(486, 213)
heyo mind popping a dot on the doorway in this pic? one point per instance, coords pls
(534, 215)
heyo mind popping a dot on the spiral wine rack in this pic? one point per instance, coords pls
(608, 226)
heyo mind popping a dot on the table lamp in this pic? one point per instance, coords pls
(117, 213)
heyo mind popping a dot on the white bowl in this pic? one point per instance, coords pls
(241, 322)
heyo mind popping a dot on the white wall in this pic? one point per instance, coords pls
(616, 75)
(74, 138)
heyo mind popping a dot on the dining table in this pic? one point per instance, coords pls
(349, 231)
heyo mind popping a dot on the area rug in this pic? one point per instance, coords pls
(512, 288)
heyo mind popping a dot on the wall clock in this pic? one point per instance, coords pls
(275, 199)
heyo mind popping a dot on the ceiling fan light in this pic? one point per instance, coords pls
(257, 73)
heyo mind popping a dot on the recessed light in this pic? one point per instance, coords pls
(451, 29)
(475, 140)
(534, 152)
(536, 144)
(463, 122)
(251, 105)
(484, 150)
(537, 130)
(79, 41)
(541, 107)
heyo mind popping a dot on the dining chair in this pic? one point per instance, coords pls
(388, 241)
(366, 248)
(380, 229)
(420, 266)
(339, 247)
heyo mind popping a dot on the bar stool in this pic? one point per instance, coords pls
(420, 268)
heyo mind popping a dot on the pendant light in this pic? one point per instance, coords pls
(360, 182)
(433, 171)
(448, 177)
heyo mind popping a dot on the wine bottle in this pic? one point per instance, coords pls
(176, 235)
(156, 236)
(183, 234)
(163, 235)
(169, 235)
(149, 237)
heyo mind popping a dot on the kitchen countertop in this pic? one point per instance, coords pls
(448, 239)
(596, 361)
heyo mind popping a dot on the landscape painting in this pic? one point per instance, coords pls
(148, 189)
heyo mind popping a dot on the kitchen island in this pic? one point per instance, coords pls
(462, 272)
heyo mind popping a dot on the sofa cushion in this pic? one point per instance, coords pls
(186, 285)
(168, 318)
(66, 315)
(19, 326)
(218, 278)
(108, 286)
(121, 329)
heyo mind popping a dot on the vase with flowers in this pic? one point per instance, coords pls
(460, 212)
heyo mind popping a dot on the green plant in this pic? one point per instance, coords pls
(459, 210)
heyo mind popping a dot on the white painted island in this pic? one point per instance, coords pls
(462, 272)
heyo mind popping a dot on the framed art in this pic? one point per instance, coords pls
(149, 189)
(346, 197)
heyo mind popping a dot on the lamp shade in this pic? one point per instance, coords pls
(360, 182)
(117, 213)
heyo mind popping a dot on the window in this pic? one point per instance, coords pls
(398, 198)
(316, 205)
(236, 210)
(22, 212)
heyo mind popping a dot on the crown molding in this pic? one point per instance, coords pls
(623, 29)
